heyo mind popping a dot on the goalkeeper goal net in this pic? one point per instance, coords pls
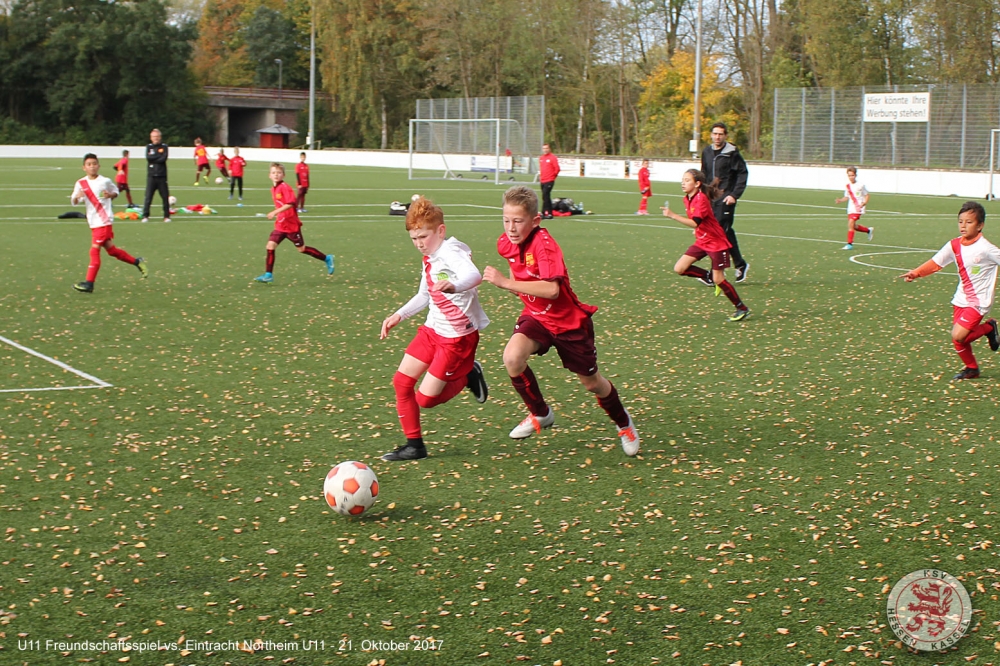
(490, 149)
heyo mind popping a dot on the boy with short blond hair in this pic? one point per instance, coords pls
(553, 316)
(445, 345)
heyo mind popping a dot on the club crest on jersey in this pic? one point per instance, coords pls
(529, 259)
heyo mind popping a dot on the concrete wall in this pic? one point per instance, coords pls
(972, 184)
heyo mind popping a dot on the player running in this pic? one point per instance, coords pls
(856, 195)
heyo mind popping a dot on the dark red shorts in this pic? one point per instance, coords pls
(448, 358)
(296, 238)
(303, 190)
(206, 166)
(720, 260)
(576, 348)
(122, 187)
(967, 318)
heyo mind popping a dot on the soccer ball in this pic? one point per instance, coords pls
(172, 200)
(218, 180)
(414, 197)
(351, 488)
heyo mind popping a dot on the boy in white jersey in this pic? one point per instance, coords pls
(977, 260)
(856, 196)
(445, 346)
(98, 192)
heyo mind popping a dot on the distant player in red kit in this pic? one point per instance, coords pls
(302, 178)
(121, 177)
(220, 163)
(237, 164)
(98, 192)
(645, 189)
(709, 240)
(553, 316)
(201, 162)
(286, 225)
(548, 171)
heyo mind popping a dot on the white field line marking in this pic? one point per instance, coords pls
(856, 259)
(79, 373)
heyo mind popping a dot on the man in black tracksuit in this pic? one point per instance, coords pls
(156, 175)
(725, 168)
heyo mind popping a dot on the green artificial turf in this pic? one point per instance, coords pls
(794, 466)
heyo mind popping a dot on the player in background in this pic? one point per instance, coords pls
(286, 225)
(856, 196)
(121, 177)
(645, 188)
(98, 192)
(220, 163)
(553, 316)
(977, 260)
(548, 171)
(201, 162)
(709, 240)
(445, 345)
(237, 164)
(302, 179)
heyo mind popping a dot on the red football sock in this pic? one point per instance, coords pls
(850, 236)
(730, 292)
(95, 264)
(858, 227)
(527, 387)
(964, 350)
(696, 272)
(612, 404)
(643, 205)
(979, 331)
(313, 252)
(121, 255)
(406, 405)
(270, 261)
(451, 389)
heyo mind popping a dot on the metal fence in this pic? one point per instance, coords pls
(528, 111)
(824, 125)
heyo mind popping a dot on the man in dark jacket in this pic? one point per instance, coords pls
(156, 175)
(725, 168)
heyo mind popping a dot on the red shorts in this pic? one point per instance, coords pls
(295, 237)
(447, 358)
(101, 235)
(967, 318)
(122, 186)
(720, 260)
(853, 217)
(204, 165)
(576, 348)
(303, 189)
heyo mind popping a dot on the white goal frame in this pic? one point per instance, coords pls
(994, 133)
(451, 173)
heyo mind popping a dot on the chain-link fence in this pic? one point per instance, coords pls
(824, 125)
(528, 111)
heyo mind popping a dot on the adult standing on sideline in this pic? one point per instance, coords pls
(548, 169)
(726, 169)
(156, 175)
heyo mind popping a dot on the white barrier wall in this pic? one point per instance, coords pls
(764, 174)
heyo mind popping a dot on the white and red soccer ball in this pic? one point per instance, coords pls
(351, 488)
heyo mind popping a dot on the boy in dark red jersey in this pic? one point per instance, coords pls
(645, 188)
(552, 317)
(710, 240)
(286, 225)
(220, 163)
(237, 164)
(302, 178)
(121, 177)
(201, 162)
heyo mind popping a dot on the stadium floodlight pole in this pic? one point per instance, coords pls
(696, 130)
(993, 161)
(312, 80)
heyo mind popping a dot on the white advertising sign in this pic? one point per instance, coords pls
(912, 107)
(604, 168)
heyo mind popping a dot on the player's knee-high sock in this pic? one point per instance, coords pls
(643, 205)
(730, 292)
(270, 261)
(697, 272)
(862, 229)
(964, 350)
(451, 389)
(850, 236)
(300, 200)
(128, 194)
(95, 264)
(121, 255)
(978, 332)
(612, 404)
(313, 252)
(406, 405)
(527, 387)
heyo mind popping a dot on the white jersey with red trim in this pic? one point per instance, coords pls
(977, 272)
(450, 315)
(855, 193)
(99, 211)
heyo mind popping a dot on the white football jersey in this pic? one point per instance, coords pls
(977, 272)
(855, 194)
(450, 315)
(99, 211)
